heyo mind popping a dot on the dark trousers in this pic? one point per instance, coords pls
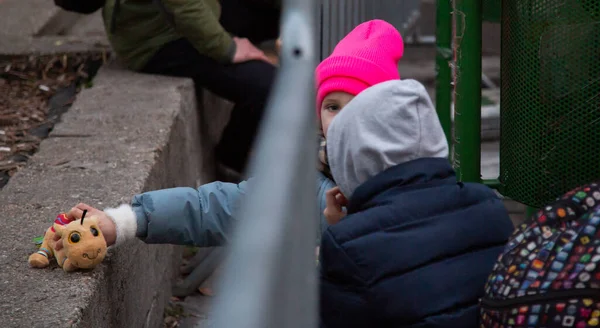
(247, 84)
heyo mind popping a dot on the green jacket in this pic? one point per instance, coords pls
(141, 29)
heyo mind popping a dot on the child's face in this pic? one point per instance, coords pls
(331, 105)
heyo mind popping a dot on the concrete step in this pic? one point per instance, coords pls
(88, 26)
(48, 29)
(129, 156)
(19, 19)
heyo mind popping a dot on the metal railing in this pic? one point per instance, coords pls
(459, 72)
(338, 17)
(467, 79)
(270, 275)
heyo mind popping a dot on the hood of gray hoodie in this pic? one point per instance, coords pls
(388, 124)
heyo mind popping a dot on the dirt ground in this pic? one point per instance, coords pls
(34, 92)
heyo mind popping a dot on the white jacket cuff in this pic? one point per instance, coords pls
(125, 222)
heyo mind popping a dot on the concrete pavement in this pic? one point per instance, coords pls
(47, 29)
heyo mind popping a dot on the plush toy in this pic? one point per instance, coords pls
(84, 246)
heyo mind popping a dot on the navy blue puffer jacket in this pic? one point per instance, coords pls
(414, 251)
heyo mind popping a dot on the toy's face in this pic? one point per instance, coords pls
(84, 243)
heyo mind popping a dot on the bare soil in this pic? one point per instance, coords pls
(34, 92)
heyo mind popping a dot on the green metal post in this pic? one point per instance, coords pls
(443, 90)
(467, 90)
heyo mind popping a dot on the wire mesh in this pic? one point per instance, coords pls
(550, 97)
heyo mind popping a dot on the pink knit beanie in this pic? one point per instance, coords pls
(366, 56)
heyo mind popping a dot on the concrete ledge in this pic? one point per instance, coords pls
(130, 133)
(39, 26)
(13, 45)
(18, 18)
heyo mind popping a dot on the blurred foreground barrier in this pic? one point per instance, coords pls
(270, 278)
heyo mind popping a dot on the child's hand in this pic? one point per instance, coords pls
(335, 201)
(106, 225)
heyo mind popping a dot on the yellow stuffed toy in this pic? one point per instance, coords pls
(84, 246)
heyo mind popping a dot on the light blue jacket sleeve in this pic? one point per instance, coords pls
(201, 217)
(185, 216)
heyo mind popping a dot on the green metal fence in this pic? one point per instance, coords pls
(466, 45)
(550, 92)
(550, 98)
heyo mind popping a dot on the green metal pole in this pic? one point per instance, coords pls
(443, 90)
(467, 90)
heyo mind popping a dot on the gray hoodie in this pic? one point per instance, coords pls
(388, 124)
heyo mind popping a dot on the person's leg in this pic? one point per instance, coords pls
(246, 84)
(258, 22)
(239, 134)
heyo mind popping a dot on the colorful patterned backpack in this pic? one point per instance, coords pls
(549, 273)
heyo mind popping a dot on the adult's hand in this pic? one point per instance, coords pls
(246, 51)
(106, 225)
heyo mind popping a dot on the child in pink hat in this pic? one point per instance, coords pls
(368, 55)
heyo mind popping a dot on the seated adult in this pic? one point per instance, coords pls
(210, 41)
